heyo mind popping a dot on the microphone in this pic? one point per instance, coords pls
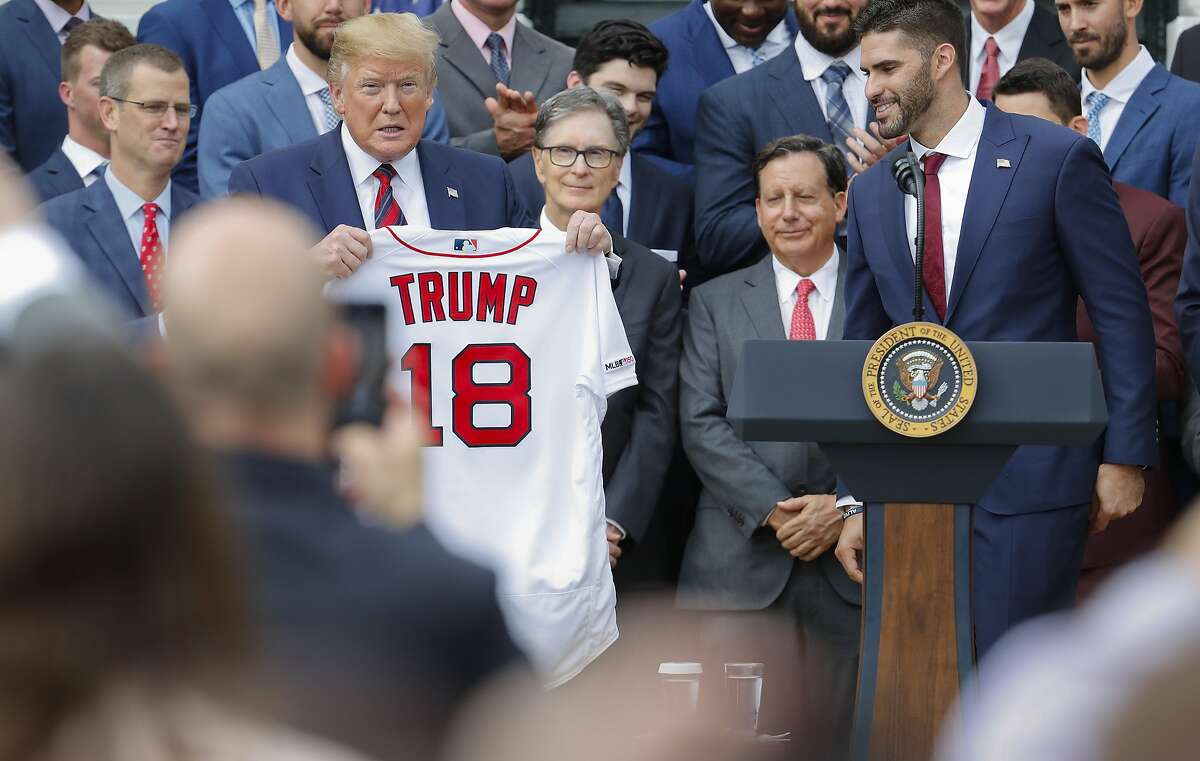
(909, 176)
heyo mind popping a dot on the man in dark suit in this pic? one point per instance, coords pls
(815, 88)
(1130, 101)
(648, 205)
(699, 44)
(1186, 62)
(1038, 87)
(120, 226)
(32, 118)
(1002, 32)
(492, 72)
(767, 519)
(285, 104)
(581, 139)
(220, 42)
(372, 632)
(375, 170)
(1014, 193)
(81, 158)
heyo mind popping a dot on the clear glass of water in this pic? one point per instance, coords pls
(743, 695)
(679, 686)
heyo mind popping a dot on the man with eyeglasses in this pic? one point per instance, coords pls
(581, 139)
(120, 226)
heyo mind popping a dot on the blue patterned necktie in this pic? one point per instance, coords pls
(1096, 101)
(841, 122)
(331, 116)
(499, 63)
(612, 214)
(757, 57)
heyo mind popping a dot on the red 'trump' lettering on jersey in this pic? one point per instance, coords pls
(457, 295)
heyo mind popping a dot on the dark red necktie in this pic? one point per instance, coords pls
(933, 272)
(387, 211)
(990, 74)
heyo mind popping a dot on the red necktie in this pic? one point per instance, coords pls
(990, 74)
(387, 211)
(804, 328)
(933, 272)
(152, 255)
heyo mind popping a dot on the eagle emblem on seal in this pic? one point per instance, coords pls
(919, 371)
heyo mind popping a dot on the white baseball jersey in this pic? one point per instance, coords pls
(518, 344)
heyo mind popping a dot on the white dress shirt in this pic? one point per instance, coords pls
(133, 216)
(87, 162)
(311, 85)
(58, 18)
(741, 56)
(1119, 91)
(959, 145)
(1009, 39)
(820, 301)
(625, 190)
(407, 186)
(814, 63)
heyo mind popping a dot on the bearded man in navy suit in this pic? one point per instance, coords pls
(1029, 223)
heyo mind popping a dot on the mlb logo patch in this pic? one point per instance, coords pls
(466, 245)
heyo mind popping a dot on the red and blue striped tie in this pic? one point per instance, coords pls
(387, 211)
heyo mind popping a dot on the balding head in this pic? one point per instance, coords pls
(247, 327)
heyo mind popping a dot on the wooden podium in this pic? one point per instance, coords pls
(916, 644)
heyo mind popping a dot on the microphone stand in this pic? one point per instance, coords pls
(919, 259)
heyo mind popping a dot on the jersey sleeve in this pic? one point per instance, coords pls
(614, 366)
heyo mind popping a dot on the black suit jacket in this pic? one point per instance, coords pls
(387, 622)
(661, 211)
(640, 428)
(1043, 39)
(56, 177)
(1186, 62)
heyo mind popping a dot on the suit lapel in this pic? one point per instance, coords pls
(41, 35)
(837, 318)
(1137, 112)
(286, 101)
(220, 14)
(985, 197)
(761, 300)
(530, 64)
(108, 229)
(446, 211)
(62, 174)
(712, 62)
(459, 51)
(794, 97)
(640, 215)
(331, 186)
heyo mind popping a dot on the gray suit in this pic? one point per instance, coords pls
(539, 65)
(732, 562)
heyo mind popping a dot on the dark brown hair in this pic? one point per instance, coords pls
(928, 23)
(1048, 78)
(830, 157)
(114, 557)
(102, 33)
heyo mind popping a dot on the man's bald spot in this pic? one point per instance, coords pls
(244, 310)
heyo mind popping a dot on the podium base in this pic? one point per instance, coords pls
(916, 635)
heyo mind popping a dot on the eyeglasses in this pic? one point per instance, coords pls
(158, 108)
(565, 155)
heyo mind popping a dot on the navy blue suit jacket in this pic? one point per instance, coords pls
(88, 219)
(660, 213)
(56, 177)
(697, 61)
(737, 119)
(33, 120)
(1187, 305)
(314, 177)
(1155, 138)
(207, 35)
(1038, 233)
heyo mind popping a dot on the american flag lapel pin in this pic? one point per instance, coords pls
(452, 192)
(1003, 164)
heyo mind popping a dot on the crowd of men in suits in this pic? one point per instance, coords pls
(748, 205)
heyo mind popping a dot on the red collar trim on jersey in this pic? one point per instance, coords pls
(411, 247)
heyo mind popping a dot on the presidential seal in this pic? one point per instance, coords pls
(919, 379)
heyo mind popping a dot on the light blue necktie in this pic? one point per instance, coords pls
(331, 116)
(757, 57)
(841, 122)
(499, 63)
(1096, 101)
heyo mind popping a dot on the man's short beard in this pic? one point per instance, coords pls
(831, 45)
(1109, 50)
(312, 40)
(914, 101)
